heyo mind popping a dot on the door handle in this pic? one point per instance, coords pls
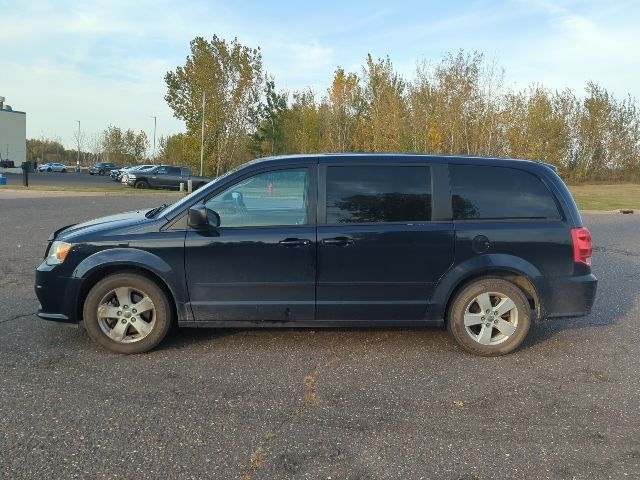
(338, 241)
(294, 242)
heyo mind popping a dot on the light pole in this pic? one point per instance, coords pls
(78, 160)
(202, 138)
(155, 119)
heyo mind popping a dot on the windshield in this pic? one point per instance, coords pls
(182, 203)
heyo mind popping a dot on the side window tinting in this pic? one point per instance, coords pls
(482, 192)
(378, 194)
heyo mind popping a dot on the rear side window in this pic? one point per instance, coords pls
(482, 192)
(378, 194)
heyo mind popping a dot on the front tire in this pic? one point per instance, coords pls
(101, 172)
(141, 184)
(127, 313)
(489, 317)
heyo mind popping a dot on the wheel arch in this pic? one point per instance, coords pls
(516, 270)
(116, 260)
(103, 271)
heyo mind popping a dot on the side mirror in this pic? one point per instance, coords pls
(198, 217)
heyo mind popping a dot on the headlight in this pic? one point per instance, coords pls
(129, 176)
(58, 252)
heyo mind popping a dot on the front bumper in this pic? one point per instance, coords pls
(570, 296)
(57, 294)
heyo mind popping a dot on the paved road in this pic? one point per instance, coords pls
(62, 179)
(297, 404)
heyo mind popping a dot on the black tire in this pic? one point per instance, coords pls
(101, 172)
(486, 338)
(141, 184)
(64, 170)
(162, 313)
(49, 169)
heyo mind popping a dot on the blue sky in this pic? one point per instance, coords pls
(103, 62)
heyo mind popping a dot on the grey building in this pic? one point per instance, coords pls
(13, 134)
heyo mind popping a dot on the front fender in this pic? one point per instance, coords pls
(475, 266)
(141, 259)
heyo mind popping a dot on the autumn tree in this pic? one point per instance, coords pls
(230, 77)
(342, 108)
(384, 108)
(124, 147)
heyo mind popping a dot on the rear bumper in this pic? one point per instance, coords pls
(570, 296)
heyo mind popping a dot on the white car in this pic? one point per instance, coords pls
(53, 167)
(124, 177)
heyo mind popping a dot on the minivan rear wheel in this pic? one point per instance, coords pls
(127, 313)
(489, 317)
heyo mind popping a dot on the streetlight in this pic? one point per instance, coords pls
(78, 160)
(155, 119)
(202, 137)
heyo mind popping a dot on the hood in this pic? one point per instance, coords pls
(119, 221)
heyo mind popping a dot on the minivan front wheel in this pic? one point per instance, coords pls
(489, 317)
(127, 313)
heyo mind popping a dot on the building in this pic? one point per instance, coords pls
(13, 134)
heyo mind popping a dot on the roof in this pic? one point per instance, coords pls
(401, 157)
(2, 110)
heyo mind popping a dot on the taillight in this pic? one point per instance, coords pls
(582, 248)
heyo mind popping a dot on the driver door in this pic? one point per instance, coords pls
(260, 263)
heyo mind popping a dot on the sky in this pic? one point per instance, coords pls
(103, 62)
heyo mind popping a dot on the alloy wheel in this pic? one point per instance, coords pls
(491, 318)
(126, 315)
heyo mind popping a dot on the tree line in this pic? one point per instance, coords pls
(122, 147)
(457, 105)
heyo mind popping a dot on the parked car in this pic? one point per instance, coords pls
(115, 174)
(123, 171)
(164, 176)
(7, 164)
(53, 167)
(480, 245)
(101, 168)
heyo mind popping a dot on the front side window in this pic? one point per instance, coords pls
(378, 194)
(483, 192)
(276, 198)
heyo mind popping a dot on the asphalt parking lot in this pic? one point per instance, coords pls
(294, 404)
(63, 179)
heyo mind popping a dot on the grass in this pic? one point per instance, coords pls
(606, 197)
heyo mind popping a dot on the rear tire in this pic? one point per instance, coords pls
(489, 317)
(64, 170)
(113, 321)
(101, 172)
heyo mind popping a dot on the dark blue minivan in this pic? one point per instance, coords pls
(481, 245)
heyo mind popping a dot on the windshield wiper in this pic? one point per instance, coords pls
(155, 210)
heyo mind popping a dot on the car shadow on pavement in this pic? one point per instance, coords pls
(608, 311)
(185, 337)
